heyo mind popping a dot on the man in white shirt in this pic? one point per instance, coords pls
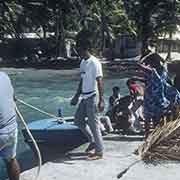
(8, 127)
(90, 84)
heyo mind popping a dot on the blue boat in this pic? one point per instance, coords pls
(52, 134)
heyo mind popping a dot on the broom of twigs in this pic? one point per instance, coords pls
(163, 143)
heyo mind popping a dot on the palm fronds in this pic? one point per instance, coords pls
(163, 143)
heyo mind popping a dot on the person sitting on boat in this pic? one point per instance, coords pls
(8, 127)
(90, 84)
(126, 115)
(136, 115)
(113, 100)
(137, 92)
(121, 114)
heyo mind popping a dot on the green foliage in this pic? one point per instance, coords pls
(152, 18)
(106, 19)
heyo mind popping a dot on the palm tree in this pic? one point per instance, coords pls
(150, 17)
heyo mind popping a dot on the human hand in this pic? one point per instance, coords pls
(74, 100)
(101, 106)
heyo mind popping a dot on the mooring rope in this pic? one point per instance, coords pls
(33, 140)
(60, 119)
(2, 147)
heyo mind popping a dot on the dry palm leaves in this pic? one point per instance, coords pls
(163, 143)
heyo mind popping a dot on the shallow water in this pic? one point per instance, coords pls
(48, 90)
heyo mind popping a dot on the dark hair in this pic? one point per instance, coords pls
(116, 88)
(153, 59)
(130, 81)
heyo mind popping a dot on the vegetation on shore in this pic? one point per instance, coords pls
(105, 19)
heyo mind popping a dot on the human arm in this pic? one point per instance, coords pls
(75, 99)
(14, 97)
(144, 68)
(111, 101)
(100, 90)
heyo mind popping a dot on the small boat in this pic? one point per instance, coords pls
(50, 133)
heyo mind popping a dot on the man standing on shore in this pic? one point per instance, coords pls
(90, 87)
(8, 127)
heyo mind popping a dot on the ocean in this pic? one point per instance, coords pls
(48, 90)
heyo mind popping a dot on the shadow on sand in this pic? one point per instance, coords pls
(56, 156)
(48, 155)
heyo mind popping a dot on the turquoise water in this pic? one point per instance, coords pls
(49, 90)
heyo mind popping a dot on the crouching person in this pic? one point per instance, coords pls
(8, 128)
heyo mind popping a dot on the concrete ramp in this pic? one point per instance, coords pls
(118, 156)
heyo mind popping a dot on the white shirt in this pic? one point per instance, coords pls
(7, 111)
(90, 69)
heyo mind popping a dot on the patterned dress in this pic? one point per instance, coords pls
(159, 96)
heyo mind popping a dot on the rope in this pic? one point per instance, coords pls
(59, 119)
(33, 140)
(2, 147)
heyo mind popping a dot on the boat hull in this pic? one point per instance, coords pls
(49, 134)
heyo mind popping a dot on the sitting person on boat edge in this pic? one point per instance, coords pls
(121, 114)
(136, 90)
(90, 84)
(160, 97)
(8, 128)
(113, 100)
(125, 112)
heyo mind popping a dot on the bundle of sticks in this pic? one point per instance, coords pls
(163, 143)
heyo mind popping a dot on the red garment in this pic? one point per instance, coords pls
(136, 89)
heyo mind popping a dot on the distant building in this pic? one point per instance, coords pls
(127, 46)
(162, 45)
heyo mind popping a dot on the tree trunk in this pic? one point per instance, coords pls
(102, 25)
(44, 31)
(168, 57)
(109, 40)
(57, 31)
(144, 44)
(146, 29)
(102, 34)
(62, 35)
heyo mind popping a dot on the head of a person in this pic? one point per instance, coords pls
(154, 60)
(130, 82)
(83, 44)
(116, 90)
